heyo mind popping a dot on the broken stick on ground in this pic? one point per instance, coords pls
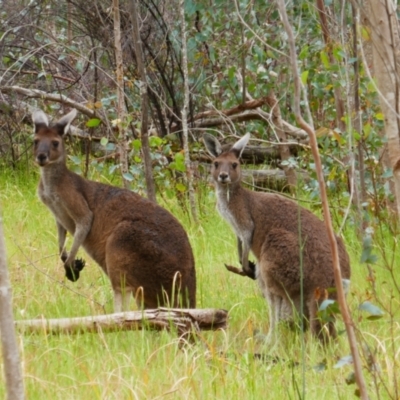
(184, 320)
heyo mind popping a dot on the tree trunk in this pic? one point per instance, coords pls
(144, 129)
(12, 364)
(339, 103)
(382, 20)
(189, 171)
(283, 149)
(121, 110)
(360, 187)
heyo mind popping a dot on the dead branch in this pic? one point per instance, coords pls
(58, 98)
(183, 320)
(249, 105)
(248, 115)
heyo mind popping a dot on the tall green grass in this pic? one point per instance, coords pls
(231, 364)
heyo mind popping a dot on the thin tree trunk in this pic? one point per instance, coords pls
(69, 22)
(339, 103)
(327, 218)
(144, 130)
(284, 150)
(384, 28)
(121, 110)
(189, 172)
(11, 359)
(357, 124)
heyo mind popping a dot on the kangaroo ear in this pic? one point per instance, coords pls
(39, 119)
(239, 146)
(212, 144)
(63, 124)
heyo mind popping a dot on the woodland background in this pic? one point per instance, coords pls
(149, 77)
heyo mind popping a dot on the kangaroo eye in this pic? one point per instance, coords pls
(36, 142)
(234, 165)
(55, 143)
(216, 164)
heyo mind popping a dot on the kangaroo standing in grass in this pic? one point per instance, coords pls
(142, 248)
(290, 243)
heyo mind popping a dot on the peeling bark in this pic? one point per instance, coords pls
(380, 15)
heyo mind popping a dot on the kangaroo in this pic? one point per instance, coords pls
(290, 243)
(140, 246)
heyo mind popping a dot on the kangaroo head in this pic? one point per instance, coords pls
(225, 168)
(48, 140)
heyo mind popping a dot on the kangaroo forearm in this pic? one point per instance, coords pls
(81, 231)
(245, 259)
(239, 247)
(62, 234)
(79, 238)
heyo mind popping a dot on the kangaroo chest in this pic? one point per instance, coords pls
(238, 218)
(50, 197)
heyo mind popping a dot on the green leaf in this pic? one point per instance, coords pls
(388, 173)
(136, 144)
(180, 187)
(320, 367)
(303, 53)
(346, 360)
(231, 73)
(76, 160)
(379, 116)
(304, 77)
(325, 59)
(374, 311)
(367, 256)
(179, 162)
(93, 123)
(155, 141)
(112, 169)
(351, 378)
(325, 304)
(190, 7)
(104, 141)
(127, 176)
(367, 129)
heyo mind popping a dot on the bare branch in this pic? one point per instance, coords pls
(58, 98)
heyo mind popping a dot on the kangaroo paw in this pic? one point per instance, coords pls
(72, 272)
(241, 272)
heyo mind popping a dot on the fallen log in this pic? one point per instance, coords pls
(183, 320)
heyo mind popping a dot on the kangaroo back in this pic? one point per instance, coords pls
(291, 245)
(142, 248)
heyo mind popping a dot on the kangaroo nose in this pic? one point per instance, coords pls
(223, 176)
(41, 158)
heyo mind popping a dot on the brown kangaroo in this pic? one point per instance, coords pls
(290, 243)
(142, 248)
